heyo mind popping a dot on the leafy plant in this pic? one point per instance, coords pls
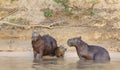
(93, 1)
(92, 7)
(92, 12)
(65, 3)
(11, 0)
(57, 1)
(65, 6)
(48, 13)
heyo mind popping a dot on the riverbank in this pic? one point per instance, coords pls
(114, 56)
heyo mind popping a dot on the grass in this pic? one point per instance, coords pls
(13, 19)
(93, 1)
(48, 13)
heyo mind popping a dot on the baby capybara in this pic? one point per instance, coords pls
(60, 51)
(88, 52)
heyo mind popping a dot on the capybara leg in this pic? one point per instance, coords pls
(81, 58)
(35, 55)
(40, 55)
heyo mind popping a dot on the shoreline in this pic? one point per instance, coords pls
(113, 56)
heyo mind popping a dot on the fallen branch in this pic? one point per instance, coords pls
(13, 24)
(57, 23)
(36, 25)
(24, 26)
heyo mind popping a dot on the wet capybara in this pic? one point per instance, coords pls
(60, 51)
(51, 42)
(43, 45)
(89, 52)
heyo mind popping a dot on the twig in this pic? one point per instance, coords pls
(57, 23)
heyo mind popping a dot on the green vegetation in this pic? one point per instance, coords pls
(11, 0)
(57, 1)
(65, 8)
(18, 20)
(13, 19)
(93, 12)
(92, 7)
(93, 1)
(48, 13)
(65, 3)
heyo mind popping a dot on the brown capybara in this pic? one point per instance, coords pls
(60, 51)
(89, 52)
(43, 45)
(51, 42)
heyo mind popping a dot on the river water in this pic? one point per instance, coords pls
(26, 62)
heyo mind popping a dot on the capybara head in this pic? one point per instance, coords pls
(74, 41)
(60, 51)
(79, 44)
(35, 35)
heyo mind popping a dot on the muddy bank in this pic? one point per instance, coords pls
(97, 21)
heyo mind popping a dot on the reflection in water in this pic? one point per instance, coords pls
(46, 64)
(45, 61)
(90, 64)
(68, 63)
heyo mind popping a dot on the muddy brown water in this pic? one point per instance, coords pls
(24, 61)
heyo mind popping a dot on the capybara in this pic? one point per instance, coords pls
(60, 51)
(51, 42)
(89, 52)
(43, 45)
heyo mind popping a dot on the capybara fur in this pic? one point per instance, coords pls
(51, 42)
(88, 52)
(43, 45)
(60, 51)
